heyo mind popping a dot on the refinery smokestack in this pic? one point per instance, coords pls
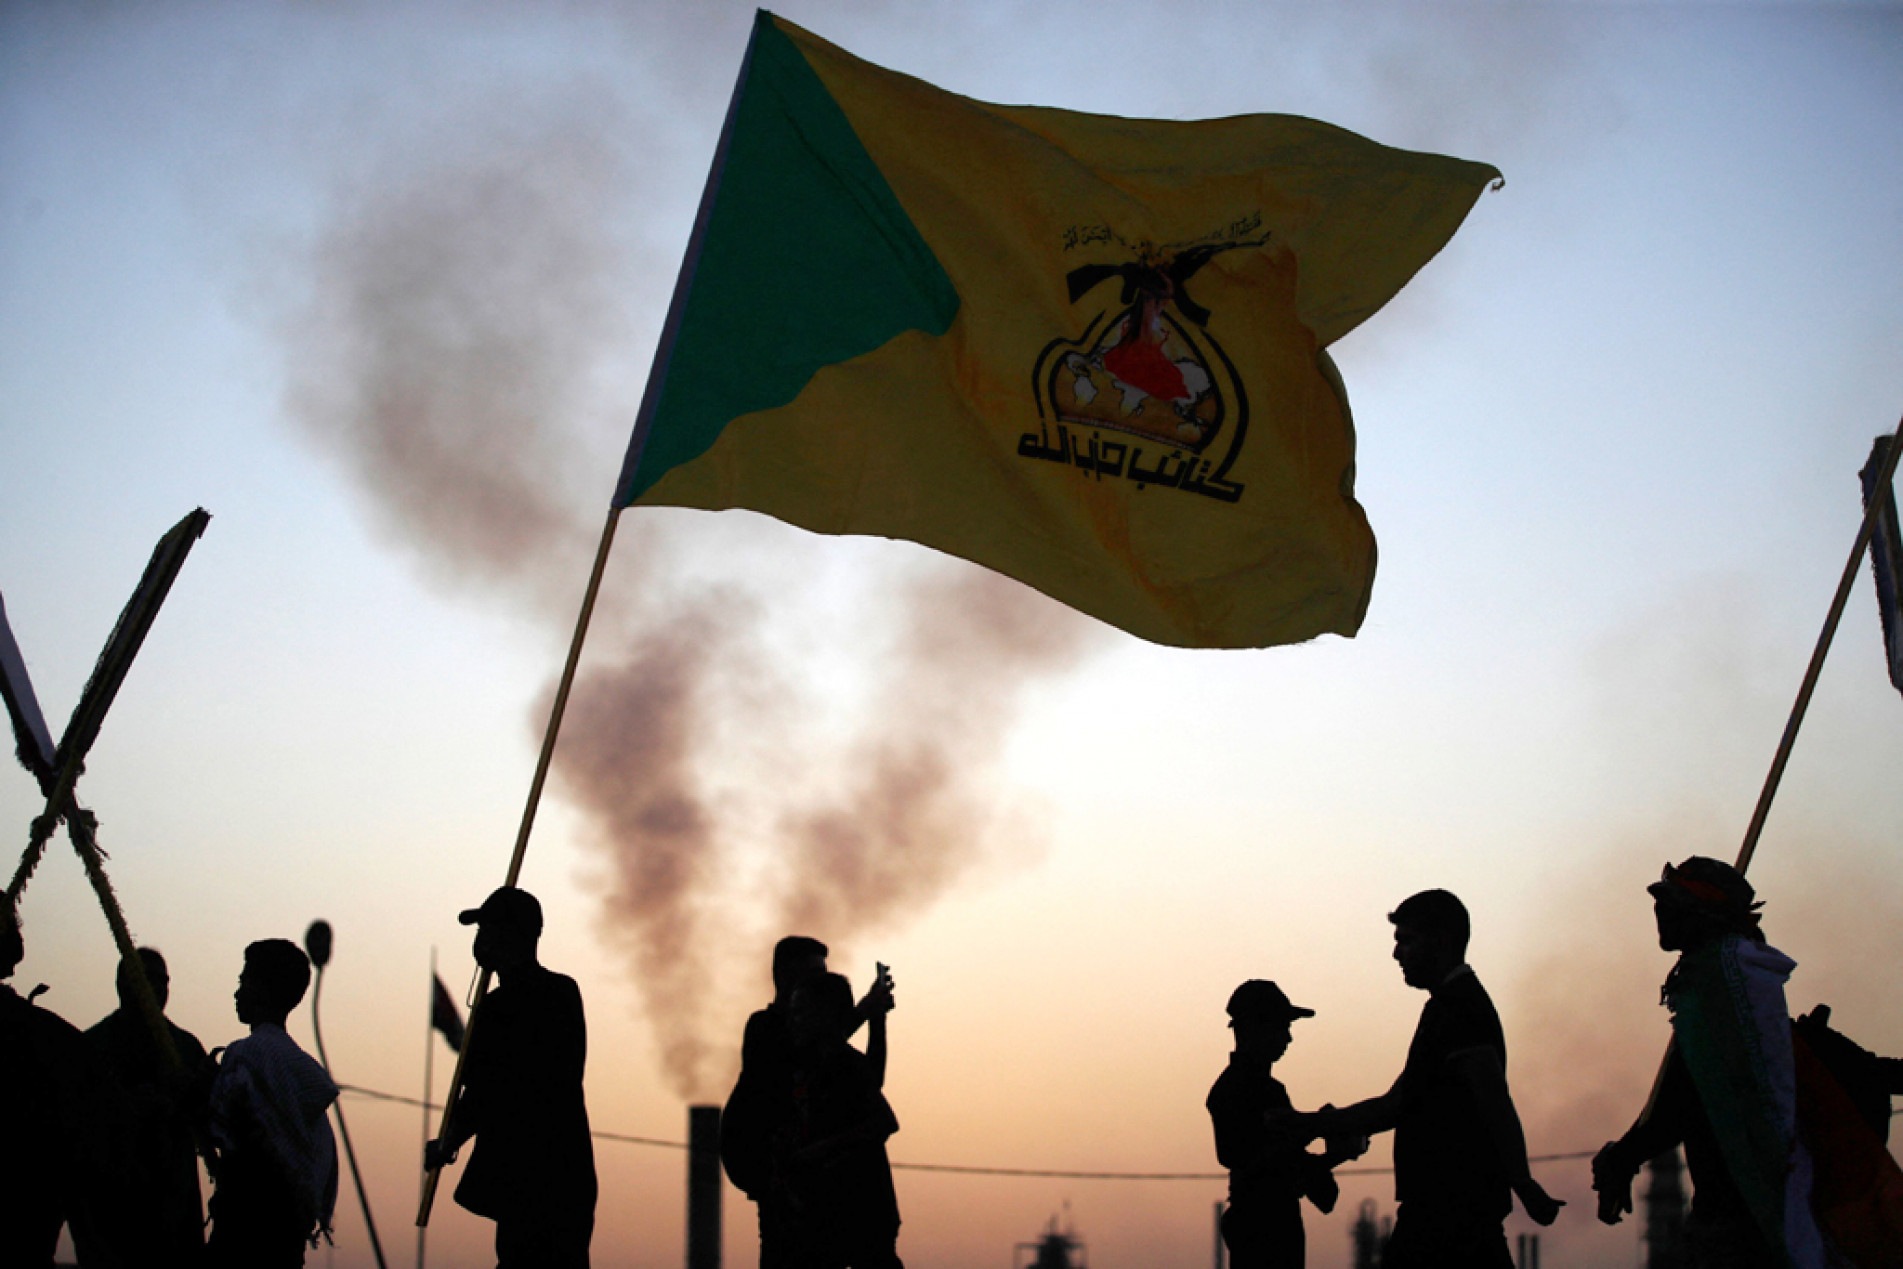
(703, 1187)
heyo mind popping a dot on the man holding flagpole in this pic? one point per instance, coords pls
(533, 1169)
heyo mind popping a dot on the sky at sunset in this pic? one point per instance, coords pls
(378, 286)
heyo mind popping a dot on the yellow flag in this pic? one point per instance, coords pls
(1084, 351)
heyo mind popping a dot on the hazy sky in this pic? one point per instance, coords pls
(378, 286)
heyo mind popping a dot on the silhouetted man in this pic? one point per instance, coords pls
(1728, 1091)
(1269, 1173)
(831, 1173)
(49, 1151)
(156, 1214)
(533, 1167)
(275, 1174)
(760, 1095)
(1459, 1152)
(761, 1100)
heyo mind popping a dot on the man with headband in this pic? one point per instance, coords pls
(1728, 1089)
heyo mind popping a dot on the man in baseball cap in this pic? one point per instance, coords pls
(1259, 1000)
(507, 908)
(1269, 1172)
(533, 1167)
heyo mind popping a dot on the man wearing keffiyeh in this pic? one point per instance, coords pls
(276, 1170)
(1729, 1088)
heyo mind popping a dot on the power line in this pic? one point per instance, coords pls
(971, 1170)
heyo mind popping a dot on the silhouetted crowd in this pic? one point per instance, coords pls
(104, 1128)
(1784, 1124)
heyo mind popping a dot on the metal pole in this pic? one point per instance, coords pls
(363, 1200)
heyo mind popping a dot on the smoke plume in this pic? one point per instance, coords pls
(839, 837)
(912, 815)
(633, 745)
(464, 295)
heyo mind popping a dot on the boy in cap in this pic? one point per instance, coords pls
(1269, 1171)
(533, 1168)
(1728, 1090)
(276, 1166)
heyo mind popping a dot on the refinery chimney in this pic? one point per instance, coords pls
(703, 1187)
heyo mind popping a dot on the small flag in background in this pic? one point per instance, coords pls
(1886, 556)
(1084, 351)
(444, 1017)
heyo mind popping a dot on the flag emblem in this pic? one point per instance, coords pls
(1150, 369)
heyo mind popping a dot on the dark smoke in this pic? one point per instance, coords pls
(697, 843)
(464, 353)
(632, 749)
(464, 296)
(913, 815)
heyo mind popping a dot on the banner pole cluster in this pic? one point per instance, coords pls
(1871, 507)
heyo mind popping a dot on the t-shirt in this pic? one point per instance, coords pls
(1261, 1171)
(50, 1132)
(1444, 1156)
(523, 1097)
(270, 1120)
(156, 1202)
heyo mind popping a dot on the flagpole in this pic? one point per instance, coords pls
(644, 418)
(1871, 506)
(432, 1175)
(429, 1064)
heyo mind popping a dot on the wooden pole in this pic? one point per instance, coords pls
(432, 1175)
(1844, 583)
(79, 828)
(429, 1069)
(128, 635)
(60, 804)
